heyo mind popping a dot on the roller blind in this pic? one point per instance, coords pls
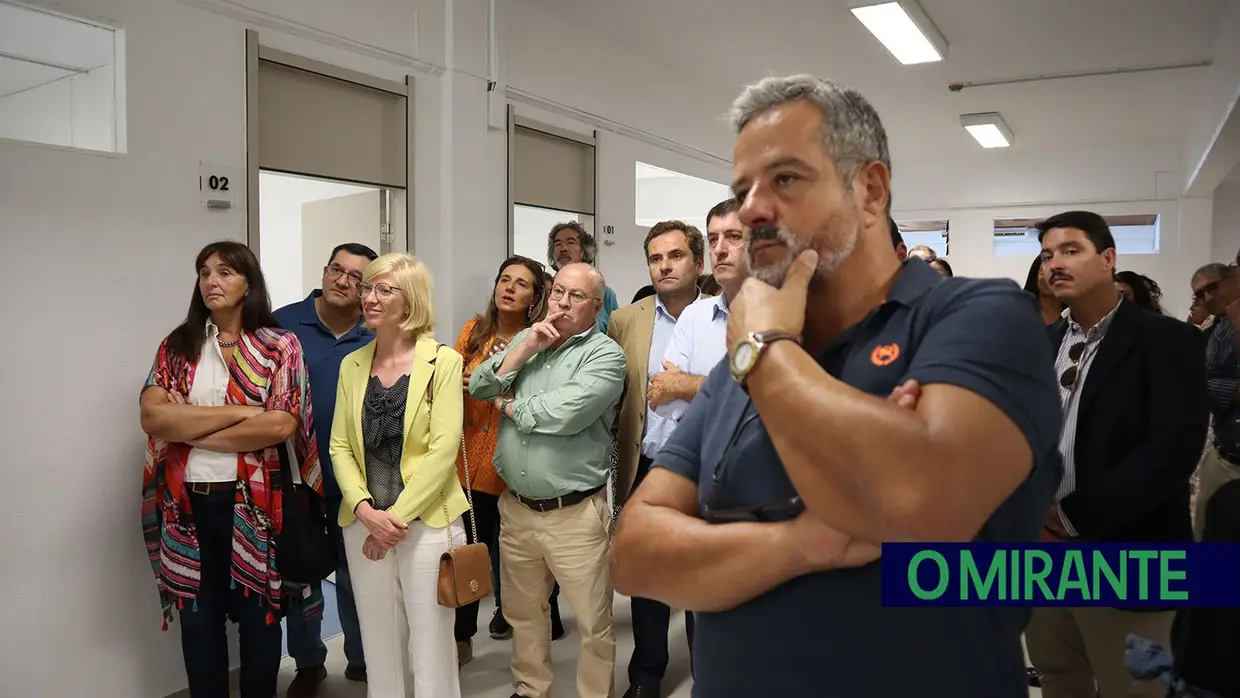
(552, 172)
(317, 125)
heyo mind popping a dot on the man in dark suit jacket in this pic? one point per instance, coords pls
(1135, 416)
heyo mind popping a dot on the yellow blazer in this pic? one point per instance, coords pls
(432, 436)
(632, 327)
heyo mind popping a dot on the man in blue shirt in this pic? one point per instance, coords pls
(329, 324)
(766, 507)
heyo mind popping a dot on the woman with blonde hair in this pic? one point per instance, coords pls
(395, 438)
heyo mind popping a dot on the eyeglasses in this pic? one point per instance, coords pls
(335, 270)
(1076, 352)
(382, 291)
(574, 297)
(781, 510)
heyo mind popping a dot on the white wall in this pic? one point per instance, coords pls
(682, 198)
(117, 235)
(280, 238)
(74, 111)
(621, 257)
(1226, 238)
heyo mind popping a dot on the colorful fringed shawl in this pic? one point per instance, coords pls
(267, 370)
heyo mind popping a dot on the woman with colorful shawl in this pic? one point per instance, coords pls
(226, 399)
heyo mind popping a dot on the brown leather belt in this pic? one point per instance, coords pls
(545, 505)
(210, 488)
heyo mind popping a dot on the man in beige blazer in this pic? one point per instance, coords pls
(675, 256)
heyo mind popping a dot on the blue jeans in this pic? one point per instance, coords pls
(305, 637)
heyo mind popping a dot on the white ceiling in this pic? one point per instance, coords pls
(40, 48)
(722, 46)
(1233, 179)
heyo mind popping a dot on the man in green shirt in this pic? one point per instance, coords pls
(557, 386)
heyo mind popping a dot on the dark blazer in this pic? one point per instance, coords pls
(1141, 427)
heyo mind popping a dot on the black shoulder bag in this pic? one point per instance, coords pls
(305, 552)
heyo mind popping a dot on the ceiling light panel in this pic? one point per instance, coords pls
(989, 130)
(904, 30)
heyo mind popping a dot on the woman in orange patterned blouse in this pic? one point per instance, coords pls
(518, 300)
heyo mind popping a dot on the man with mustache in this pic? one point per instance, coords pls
(569, 243)
(765, 508)
(675, 255)
(1132, 384)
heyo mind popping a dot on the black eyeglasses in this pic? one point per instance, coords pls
(780, 510)
(335, 270)
(1075, 353)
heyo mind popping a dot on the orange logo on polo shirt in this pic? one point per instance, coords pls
(884, 354)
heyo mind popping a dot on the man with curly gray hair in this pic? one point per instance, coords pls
(569, 243)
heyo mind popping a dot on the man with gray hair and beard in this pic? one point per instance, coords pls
(765, 509)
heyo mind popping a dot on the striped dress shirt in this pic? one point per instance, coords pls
(1070, 398)
(1222, 382)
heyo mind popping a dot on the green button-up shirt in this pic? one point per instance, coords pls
(559, 438)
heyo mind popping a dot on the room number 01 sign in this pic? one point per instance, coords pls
(217, 185)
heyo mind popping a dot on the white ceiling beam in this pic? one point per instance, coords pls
(1213, 147)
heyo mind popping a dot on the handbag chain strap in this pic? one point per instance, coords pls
(469, 493)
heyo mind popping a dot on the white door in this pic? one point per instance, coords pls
(327, 223)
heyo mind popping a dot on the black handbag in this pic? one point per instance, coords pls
(305, 551)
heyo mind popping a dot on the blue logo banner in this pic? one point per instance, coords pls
(1061, 574)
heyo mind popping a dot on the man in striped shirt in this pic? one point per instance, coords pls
(1216, 287)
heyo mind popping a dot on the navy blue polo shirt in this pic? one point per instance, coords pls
(322, 352)
(827, 633)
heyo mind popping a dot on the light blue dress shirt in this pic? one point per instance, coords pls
(664, 327)
(698, 344)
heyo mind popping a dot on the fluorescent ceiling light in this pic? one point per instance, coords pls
(905, 30)
(988, 130)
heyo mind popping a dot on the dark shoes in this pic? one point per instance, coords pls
(501, 630)
(306, 683)
(557, 625)
(1034, 677)
(499, 627)
(355, 673)
(647, 691)
(464, 652)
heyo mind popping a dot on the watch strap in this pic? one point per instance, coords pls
(772, 336)
(760, 341)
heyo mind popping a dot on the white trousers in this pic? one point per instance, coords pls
(403, 626)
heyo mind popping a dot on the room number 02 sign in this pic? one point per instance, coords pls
(217, 185)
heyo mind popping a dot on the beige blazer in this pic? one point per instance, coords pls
(632, 327)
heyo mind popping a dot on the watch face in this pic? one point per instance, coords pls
(743, 357)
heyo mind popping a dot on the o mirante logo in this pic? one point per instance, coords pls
(1061, 574)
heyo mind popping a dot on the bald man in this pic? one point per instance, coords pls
(557, 386)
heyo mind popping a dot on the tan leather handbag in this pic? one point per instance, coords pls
(464, 572)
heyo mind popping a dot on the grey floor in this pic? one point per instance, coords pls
(487, 676)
